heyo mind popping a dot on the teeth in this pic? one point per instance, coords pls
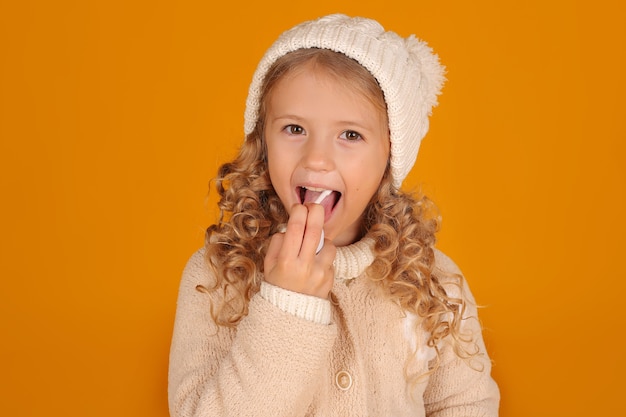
(314, 189)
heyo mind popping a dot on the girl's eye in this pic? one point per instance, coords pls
(351, 135)
(294, 130)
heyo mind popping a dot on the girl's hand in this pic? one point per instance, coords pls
(291, 262)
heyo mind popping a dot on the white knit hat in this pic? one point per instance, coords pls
(407, 71)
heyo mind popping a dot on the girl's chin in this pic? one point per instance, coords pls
(343, 239)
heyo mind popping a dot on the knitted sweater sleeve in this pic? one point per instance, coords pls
(462, 388)
(264, 366)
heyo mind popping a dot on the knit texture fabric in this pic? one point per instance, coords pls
(310, 308)
(278, 364)
(406, 69)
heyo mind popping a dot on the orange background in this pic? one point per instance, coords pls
(114, 115)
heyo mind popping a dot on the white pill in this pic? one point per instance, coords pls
(321, 244)
(322, 196)
(318, 200)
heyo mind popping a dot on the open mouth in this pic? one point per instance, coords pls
(311, 195)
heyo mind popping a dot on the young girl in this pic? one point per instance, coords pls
(375, 322)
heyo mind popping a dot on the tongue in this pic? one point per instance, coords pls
(327, 203)
(311, 196)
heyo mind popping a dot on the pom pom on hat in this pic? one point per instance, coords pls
(407, 70)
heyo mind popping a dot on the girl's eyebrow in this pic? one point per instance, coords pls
(356, 124)
(287, 116)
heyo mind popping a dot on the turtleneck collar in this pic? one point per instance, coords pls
(352, 260)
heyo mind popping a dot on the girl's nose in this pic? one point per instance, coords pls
(318, 154)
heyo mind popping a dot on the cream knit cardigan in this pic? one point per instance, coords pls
(297, 355)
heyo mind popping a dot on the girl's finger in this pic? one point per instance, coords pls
(313, 231)
(294, 233)
(273, 249)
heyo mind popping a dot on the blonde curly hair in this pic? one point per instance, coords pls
(403, 226)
